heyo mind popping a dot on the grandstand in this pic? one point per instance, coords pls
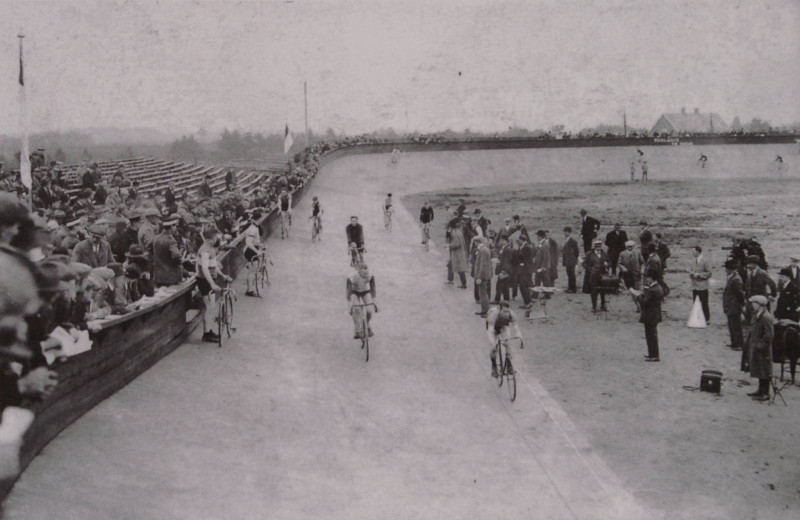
(154, 175)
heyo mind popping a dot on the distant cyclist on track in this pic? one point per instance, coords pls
(355, 237)
(426, 219)
(316, 219)
(499, 322)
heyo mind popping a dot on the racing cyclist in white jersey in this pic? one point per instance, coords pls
(500, 322)
(361, 290)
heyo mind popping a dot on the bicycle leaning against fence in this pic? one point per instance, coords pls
(261, 275)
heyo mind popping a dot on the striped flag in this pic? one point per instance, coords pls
(288, 140)
(24, 156)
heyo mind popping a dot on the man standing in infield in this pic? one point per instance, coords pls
(589, 228)
(569, 258)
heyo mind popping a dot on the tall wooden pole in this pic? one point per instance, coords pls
(305, 95)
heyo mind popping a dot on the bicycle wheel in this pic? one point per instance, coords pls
(257, 280)
(228, 314)
(365, 335)
(500, 367)
(511, 379)
(221, 320)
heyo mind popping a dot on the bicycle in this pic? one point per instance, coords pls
(316, 228)
(261, 280)
(387, 219)
(505, 367)
(363, 329)
(426, 235)
(225, 312)
(286, 224)
(356, 256)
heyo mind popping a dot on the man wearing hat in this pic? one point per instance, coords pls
(615, 242)
(630, 264)
(596, 265)
(788, 303)
(166, 256)
(482, 273)
(589, 228)
(649, 300)
(506, 231)
(794, 270)
(478, 217)
(541, 261)
(570, 254)
(759, 346)
(757, 282)
(148, 228)
(733, 302)
(645, 236)
(504, 270)
(699, 275)
(95, 250)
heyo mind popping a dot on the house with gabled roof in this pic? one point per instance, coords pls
(690, 123)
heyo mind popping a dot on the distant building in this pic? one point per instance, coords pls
(692, 123)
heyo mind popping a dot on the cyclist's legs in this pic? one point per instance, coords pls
(386, 218)
(210, 312)
(252, 267)
(356, 314)
(425, 231)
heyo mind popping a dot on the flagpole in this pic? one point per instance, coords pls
(305, 95)
(24, 156)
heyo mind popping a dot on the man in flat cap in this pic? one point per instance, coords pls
(759, 346)
(757, 283)
(94, 251)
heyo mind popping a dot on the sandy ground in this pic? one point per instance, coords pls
(287, 421)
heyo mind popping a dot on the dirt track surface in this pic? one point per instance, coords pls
(287, 421)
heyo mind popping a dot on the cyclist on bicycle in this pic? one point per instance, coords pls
(355, 236)
(499, 322)
(361, 290)
(316, 215)
(387, 210)
(207, 274)
(252, 248)
(285, 209)
(426, 219)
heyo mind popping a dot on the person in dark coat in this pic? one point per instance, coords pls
(100, 194)
(95, 251)
(759, 346)
(482, 272)
(525, 270)
(615, 242)
(596, 265)
(541, 261)
(554, 250)
(458, 255)
(205, 190)
(570, 253)
(589, 228)
(733, 303)
(649, 300)
(653, 261)
(503, 270)
(663, 251)
(170, 199)
(166, 256)
(789, 297)
(757, 283)
(645, 237)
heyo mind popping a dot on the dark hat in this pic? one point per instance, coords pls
(477, 210)
(651, 248)
(135, 251)
(583, 212)
(658, 235)
(786, 271)
(731, 264)
(540, 233)
(752, 259)
(642, 222)
(652, 272)
(515, 217)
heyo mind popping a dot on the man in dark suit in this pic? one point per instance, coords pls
(166, 256)
(615, 242)
(525, 274)
(596, 265)
(757, 283)
(662, 250)
(733, 303)
(481, 220)
(541, 261)
(589, 228)
(650, 304)
(569, 258)
(504, 270)
(170, 198)
(759, 346)
(553, 270)
(645, 237)
(95, 250)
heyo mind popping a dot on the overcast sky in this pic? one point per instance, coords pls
(408, 64)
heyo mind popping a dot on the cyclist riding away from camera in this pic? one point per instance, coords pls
(500, 322)
(355, 238)
(252, 248)
(316, 220)
(426, 219)
(361, 291)
(207, 273)
(285, 200)
(387, 212)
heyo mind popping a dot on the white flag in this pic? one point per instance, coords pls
(288, 140)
